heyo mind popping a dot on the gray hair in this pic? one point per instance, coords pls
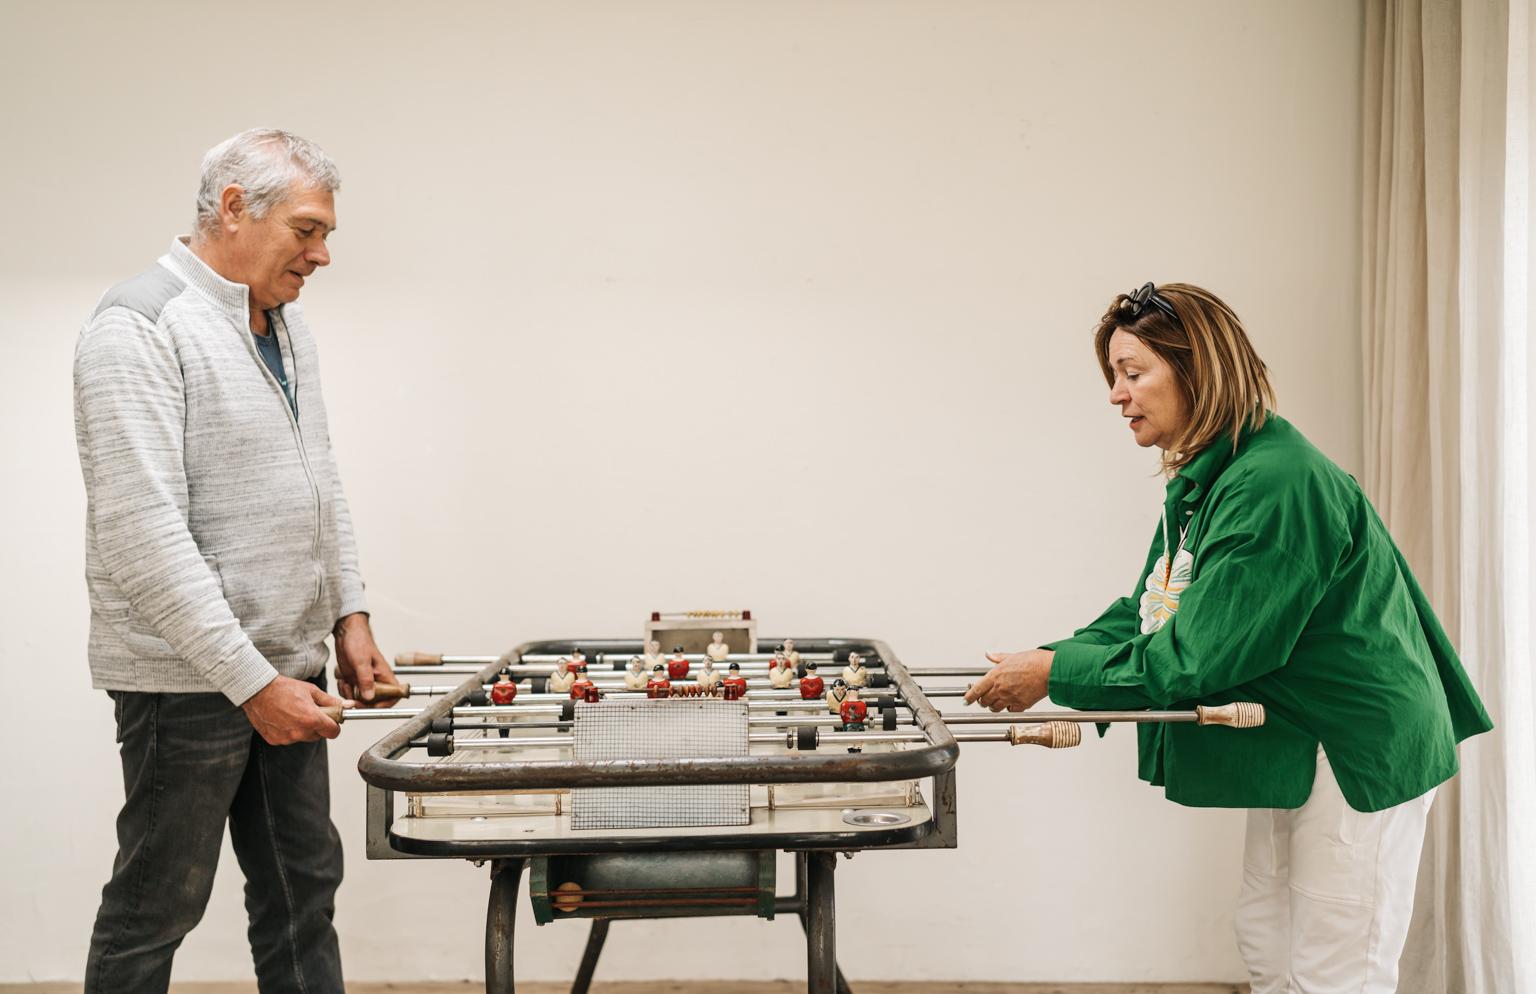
(265, 162)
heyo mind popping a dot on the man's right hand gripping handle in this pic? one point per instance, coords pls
(286, 711)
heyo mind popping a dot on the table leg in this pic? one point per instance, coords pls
(500, 924)
(820, 924)
(595, 940)
(797, 904)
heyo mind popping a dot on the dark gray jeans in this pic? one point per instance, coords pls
(191, 763)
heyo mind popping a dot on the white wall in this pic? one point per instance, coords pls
(590, 254)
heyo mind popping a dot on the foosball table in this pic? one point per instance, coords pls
(632, 784)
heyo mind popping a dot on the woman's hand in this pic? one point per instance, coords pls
(1020, 680)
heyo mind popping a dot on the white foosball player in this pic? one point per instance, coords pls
(781, 676)
(791, 655)
(709, 677)
(855, 674)
(836, 696)
(635, 678)
(718, 650)
(652, 656)
(561, 679)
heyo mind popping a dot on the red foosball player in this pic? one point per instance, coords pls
(658, 685)
(578, 660)
(677, 666)
(583, 689)
(503, 690)
(853, 711)
(734, 686)
(810, 685)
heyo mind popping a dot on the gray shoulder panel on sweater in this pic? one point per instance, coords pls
(146, 293)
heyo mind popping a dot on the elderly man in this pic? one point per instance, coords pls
(219, 558)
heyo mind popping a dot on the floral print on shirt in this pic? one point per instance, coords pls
(1161, 599)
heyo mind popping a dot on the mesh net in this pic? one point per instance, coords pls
(679, 728)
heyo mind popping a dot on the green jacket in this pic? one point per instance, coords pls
(1284, 589)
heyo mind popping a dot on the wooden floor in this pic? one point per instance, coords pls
(701, 987)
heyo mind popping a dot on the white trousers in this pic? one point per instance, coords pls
(1327, 892)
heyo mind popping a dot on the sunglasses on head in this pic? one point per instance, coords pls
(1137, 301)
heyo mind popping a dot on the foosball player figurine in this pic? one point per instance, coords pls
(561, 679)
(583, 689)
(791, 655)
(652, 655)
(781, 676)
(677, 666)
(503, 691)
(635, 677)
(658, 686)
(734, 686)
(777, 659)
(855, 674)
(709, 677)
(578, 660)
(837, 695)
(853, 712)
(718, 650)
(810, 684)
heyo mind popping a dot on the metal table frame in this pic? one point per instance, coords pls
(815, 853)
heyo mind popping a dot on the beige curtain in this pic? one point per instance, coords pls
(1449, 405)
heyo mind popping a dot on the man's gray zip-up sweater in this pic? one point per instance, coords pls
(218, 544)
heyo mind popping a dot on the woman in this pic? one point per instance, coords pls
(1270, 579)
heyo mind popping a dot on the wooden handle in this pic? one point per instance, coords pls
(1242, 714)
(1051, 734)
(418, 659)
(389, 692)
(335, 711)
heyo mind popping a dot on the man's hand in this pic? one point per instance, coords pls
(1020, 680)
(359, 663)
(286, 711)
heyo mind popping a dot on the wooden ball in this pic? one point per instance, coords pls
(567, 896)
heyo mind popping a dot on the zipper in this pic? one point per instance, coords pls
(298, 433)
(275, 318)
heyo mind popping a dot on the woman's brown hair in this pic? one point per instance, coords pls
(1224, 382)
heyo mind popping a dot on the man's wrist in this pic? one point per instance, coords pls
(348, 622)
(245, 705)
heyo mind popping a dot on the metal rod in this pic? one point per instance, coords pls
(1093, 717)
(759, 738)
(515, 711)
(620, 659)
(519, 710)
(663, 902)
(566, 741)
